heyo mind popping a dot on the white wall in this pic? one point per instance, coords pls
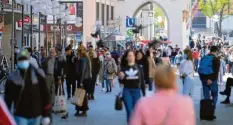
(227, 23)
(173, 9)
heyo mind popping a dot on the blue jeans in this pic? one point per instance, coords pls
(196, 61)
(108, 85)
(150, 84)
(213, 88)
(103, 84)
(172, 60)
(130, 98)
(26, 121)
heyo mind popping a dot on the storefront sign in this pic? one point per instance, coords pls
(131, 22)
(69, 28)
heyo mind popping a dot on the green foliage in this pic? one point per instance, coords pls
(159, 12)
(212, 7)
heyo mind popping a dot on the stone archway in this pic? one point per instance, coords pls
(172, 8)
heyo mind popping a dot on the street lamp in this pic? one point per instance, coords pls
(22, 2)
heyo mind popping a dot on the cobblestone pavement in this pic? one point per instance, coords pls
(102, 110)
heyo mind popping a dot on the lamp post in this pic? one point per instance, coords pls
(22, 2)
(13, 36)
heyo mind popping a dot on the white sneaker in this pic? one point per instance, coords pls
(103, 89)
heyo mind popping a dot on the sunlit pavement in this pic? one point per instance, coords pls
(102, 109)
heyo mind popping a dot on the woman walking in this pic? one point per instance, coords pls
(152, 66)
(110, 69)
(142, 61)
(95, 62)
(187, 72)
(84, 81)
(165, 107)
(131, 77)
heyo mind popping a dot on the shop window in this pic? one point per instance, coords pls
(199, 22)
(112, 12)
(231, 34)
(80, 9)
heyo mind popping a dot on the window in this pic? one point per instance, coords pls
(231, 34)
(97, 11)
(112, 12)
(103, 13)
(199, 22)
(108, 13)
(80, 9)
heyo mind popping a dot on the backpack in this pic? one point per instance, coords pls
(206, 65)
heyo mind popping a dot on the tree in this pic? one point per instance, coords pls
(158, 12)
(211, 7)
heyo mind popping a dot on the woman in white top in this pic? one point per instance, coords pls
(187, 72)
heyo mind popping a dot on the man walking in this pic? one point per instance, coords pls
(70, 72)
(26, 88)
(48, 67)
(208, 71)
(59, 67)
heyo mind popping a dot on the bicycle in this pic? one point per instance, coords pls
(4, 72)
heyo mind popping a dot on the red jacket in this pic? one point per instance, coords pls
(5, 116)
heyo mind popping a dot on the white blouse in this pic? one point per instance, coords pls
(187, 67)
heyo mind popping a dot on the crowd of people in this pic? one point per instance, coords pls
(38, 78)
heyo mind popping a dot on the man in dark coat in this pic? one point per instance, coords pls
(70, 71)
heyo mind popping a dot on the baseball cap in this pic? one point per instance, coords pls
(23, 55)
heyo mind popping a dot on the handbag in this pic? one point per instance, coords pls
(79, 96)
(119, 102)
(60, 101)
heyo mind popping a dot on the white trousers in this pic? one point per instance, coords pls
(188, 86)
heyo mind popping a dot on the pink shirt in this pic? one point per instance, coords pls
(154, 110)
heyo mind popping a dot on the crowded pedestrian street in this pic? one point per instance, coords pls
(103, 112)
(116, 62)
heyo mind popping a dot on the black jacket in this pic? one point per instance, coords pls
(70, 66)
(60, 67)
(31, 101)
(145, 66)
(95, 64)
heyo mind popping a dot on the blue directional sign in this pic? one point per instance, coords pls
(79, 36)
(130, 22)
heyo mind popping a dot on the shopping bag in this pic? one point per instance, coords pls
(79, 96)
(119, 102)
(60, 101)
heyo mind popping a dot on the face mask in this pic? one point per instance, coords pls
(185, 56)
(23, 64)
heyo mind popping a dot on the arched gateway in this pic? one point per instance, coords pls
(177, 28)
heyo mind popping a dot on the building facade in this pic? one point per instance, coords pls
(178, 31)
